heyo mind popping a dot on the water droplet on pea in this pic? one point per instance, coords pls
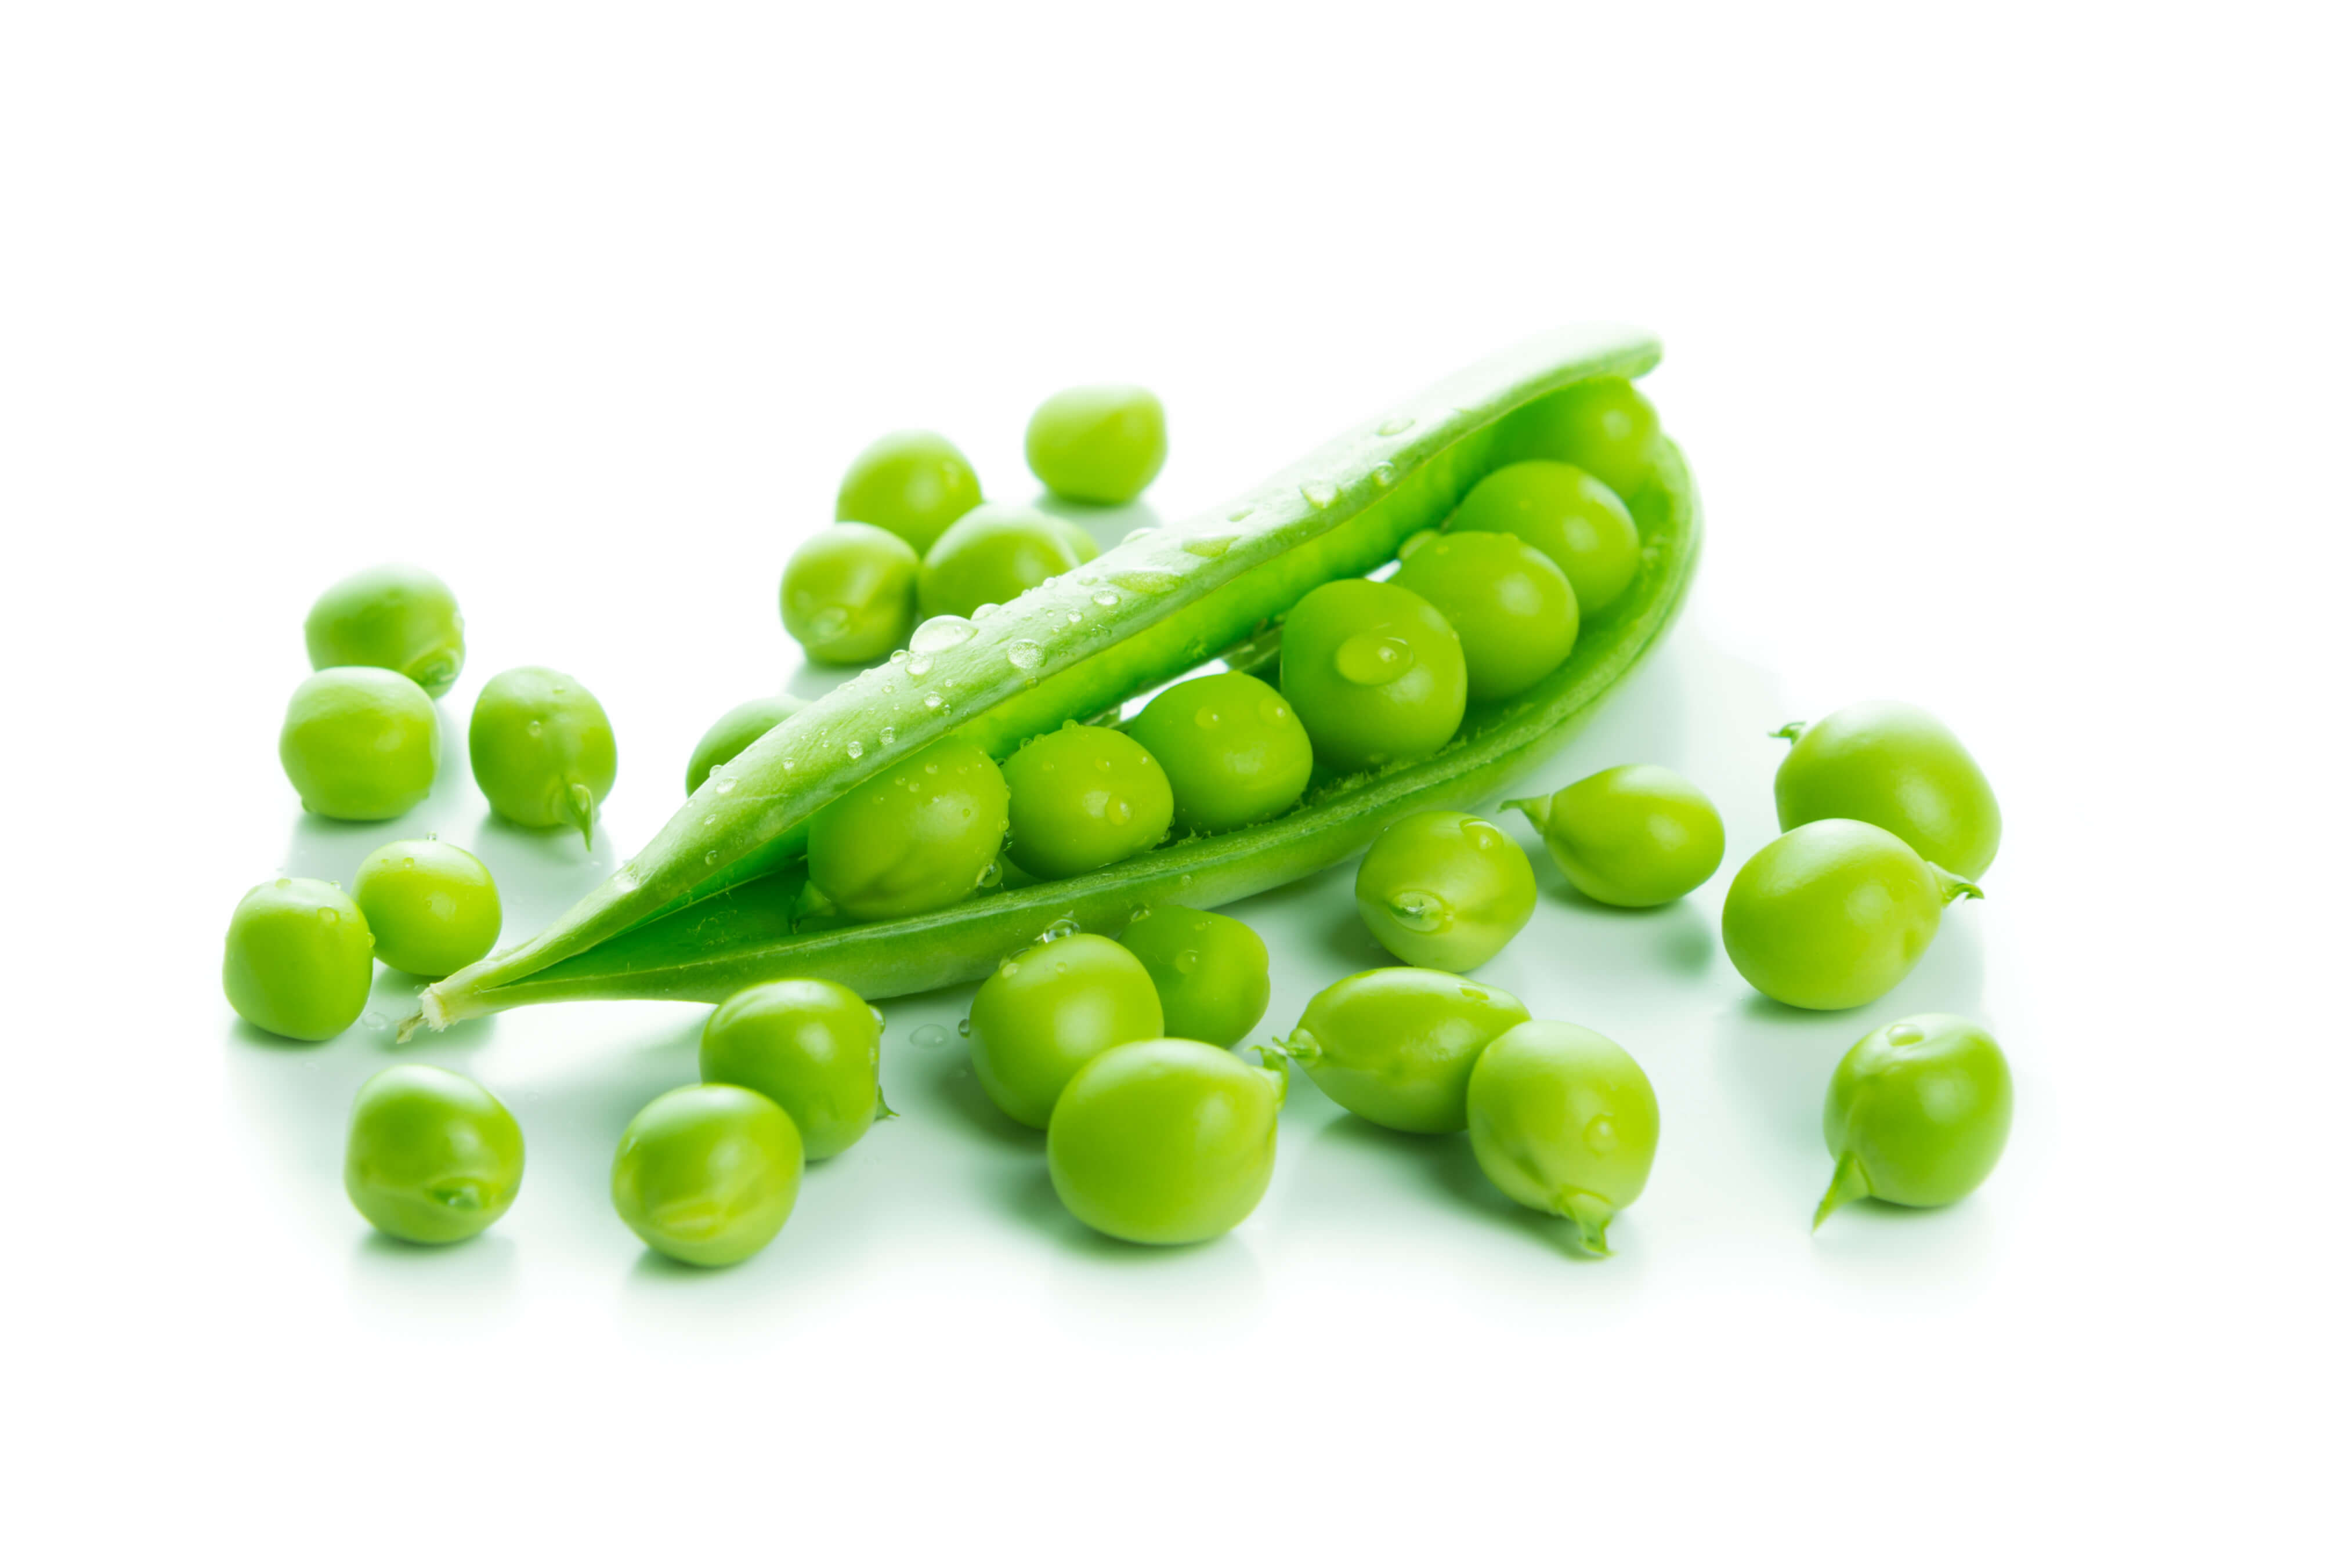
(1600, 1135)
(1187, 962)
(1373, 659)
(1904, 1034)
(1417, 911)
(535, 727)
(1119, 811)
(1207, 718)
(963, 1027)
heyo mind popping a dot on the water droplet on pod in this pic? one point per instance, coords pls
(1396, 425)
(939, 633)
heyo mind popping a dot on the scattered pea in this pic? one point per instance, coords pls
(991, 555)
(298, 959)
(1442, 889)
(811, 1046)
(1396, 1045)
(1212, 972)
(434, 907)
(541, 750)
(1918, 1114)
(849, 593)
(1633, 837)
(1896, 767)
(1164, 1142)
(1102, 445)
(1563, 1120)
(390, 618)
(912, 482)
(708, 1174)
(360, 744)
(1834, 914)
(432, 1157)
(1048, 1010)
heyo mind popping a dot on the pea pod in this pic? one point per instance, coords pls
(710, 904)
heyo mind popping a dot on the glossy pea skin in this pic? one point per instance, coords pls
(1048, 1010)
(1509, 603)
(1375, 672)
(911, 483)
(707, 1174)
(1602, 426)
(1396, 1046)
(991, 555)
(1633, 837)
(1213, 973)
(1234, 752)
(359, 744)
(916, 837)
(1164, 1142)
(847, 595)
(541, 750)
(432, 1156)
(1567, 514)
(1916, 1114)
(1896, 767)
(1083, 797)
(811, 1046)
(1563, 1120)
(298, 959)
(1101, 444)
(1834, 914)
(731, 735)
(1442, 889)
(391, 618)
(433, 907)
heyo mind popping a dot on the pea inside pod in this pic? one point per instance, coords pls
(1898, 767)
(1233, 749)
(543, 749)
(1604, 425)
(1565, 513)
(1511, 605)
(918, 836)
(732, 734)
(1375, 672)
(1083, 797)
(1563, 1120)
(1918, 1114)
(1834, 914)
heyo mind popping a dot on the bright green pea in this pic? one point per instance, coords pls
(1103, 445)
(912, 482)
(391, 618)
(1080, 541)
(543, 749)
(1164, 1142)
(1896, 767)
(811, 1046)
(360, 744)
(1047, 1011)
(433, 1156)
(1233, 752)
(731, 735)
(1567, 514)
(1604, 426)
(849, 593)
(1443, 889)
(1083, 797)
(1509, 603)
(1916, 1114)
(918, 836)
(1396, 1045)
(433, 907)
(991, 555)
(707, 1174)
(299, 959)
(1212, 972)
(1563, 1121)
(1834, 914)
(1375, 672)
(1633, 837)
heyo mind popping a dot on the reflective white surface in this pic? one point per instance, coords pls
(2008, 359)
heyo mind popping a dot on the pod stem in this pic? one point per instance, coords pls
(1794, 732)
(1848, 1183)
(1301, 1048)
(579, 808)
(1591, 1216)
(1537, 810)
(1953, 888)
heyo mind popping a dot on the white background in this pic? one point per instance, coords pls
(2008, 347)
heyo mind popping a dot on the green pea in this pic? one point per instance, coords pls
(1509, 603)
(991, 555)
(912, 482)
(918, 836)
(1079, 539)
(1376, 674)
(1233, 752)
(1212, 972)
(1563, 1121)
(1834, 914)
(1633, 837)
(1443, 889)
(811, 1046)
(433, 1156)
(390, 618)
(1567, 514)
(707, 1174)
(1047, 1011)
(1917, 1115)
(1396, 1045)
(433, 907)
(1896, 767)
(849, 593)
(543, 749)
(1164, 1142)
(1103, 445)
(731, 735)
(1602, 426)
(359, 744)
(299, 959)
(1083, 797)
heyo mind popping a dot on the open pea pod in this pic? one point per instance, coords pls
(710, 905)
